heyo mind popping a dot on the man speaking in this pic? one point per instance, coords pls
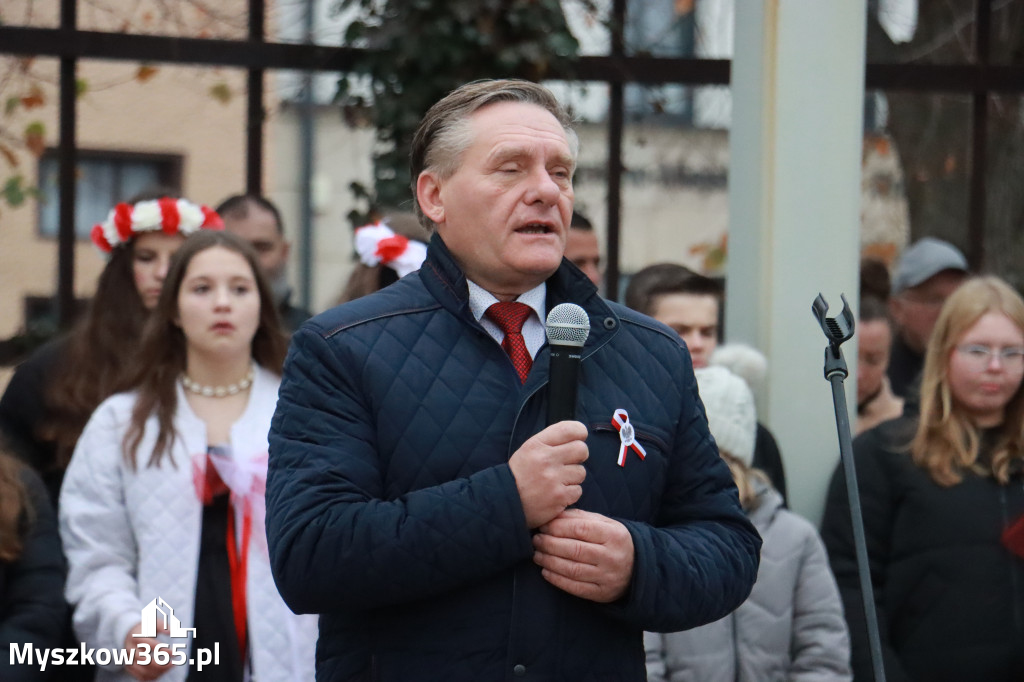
(416, 498)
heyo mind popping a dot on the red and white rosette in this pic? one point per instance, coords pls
(167, 215)
(377, 244)
(627, 437)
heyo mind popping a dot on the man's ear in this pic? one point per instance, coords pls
(428, 194)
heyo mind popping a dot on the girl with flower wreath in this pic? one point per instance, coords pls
(53, 392)
(164, 497)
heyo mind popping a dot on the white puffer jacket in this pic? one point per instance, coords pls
(131, 536)
(790, 629)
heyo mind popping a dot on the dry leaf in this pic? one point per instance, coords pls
(221, 92)
(145, 72)
(9, 154)
(35, 138)
(34, 98)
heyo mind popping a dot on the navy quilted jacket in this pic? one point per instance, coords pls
(391, 509)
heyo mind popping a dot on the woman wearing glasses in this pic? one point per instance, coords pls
(943, 502)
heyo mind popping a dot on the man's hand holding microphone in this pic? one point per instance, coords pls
(585, 554)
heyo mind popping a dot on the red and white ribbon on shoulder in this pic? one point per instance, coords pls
(627, 437)
(378, 244)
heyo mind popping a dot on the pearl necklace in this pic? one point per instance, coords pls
(218, 391)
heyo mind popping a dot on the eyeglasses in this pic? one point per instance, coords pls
(979, 356)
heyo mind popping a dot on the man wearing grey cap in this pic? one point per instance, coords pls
(927, 273)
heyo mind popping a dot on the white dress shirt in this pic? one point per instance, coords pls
(533, 328)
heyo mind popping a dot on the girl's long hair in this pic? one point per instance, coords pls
(744, 475)
(15, 508)
(160, 361)
(947, 442)
(93, 365)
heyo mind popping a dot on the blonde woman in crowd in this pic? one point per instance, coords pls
(164, 494)
(942, 496)
(791, 627)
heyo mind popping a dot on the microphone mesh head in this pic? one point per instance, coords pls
(568, 325)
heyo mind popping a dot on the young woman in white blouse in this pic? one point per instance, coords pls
(163, 499)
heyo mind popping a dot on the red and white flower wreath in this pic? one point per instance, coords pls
(171, 216)
(377, 244)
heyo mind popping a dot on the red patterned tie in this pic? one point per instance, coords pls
(510, 316)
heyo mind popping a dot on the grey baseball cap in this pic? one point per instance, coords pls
(924, 259)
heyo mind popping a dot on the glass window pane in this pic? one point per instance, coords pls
(1004, 178)
(930, 134)
(588, 21)
(49, 196)
(95, 193)
(660, 28)
(101, 181)
(1007, 38)
(912, 31)
(136, 176)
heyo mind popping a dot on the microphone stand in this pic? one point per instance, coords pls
(837, 330)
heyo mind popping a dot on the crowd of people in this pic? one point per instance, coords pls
(379, 492)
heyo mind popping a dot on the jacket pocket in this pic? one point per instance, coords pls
(634, 488)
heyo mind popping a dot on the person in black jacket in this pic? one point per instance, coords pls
(417, 497)
(32, 608)
(928, 271)
(943, 503)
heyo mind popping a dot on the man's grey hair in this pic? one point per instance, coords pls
(445, 132)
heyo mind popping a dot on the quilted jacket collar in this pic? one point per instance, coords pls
(446, 282)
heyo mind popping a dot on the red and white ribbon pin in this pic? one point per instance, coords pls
(627, 436)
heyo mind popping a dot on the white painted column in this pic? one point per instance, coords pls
(794, 224)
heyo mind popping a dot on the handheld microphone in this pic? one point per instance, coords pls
(567, 329)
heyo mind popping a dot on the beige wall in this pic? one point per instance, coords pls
(663, 218)
(166, 115)
(173, 112)
(341, 155)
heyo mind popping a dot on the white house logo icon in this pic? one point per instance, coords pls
(170, 621)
